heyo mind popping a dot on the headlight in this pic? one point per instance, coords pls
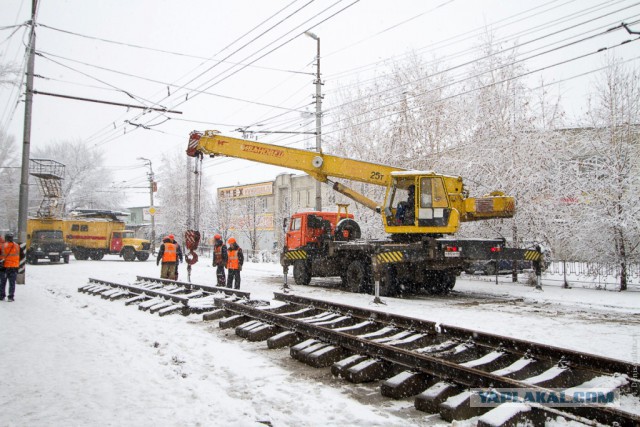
(39, 249)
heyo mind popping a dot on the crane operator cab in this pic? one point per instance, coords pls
(419, 203)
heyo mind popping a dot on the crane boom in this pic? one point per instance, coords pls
(318, 165)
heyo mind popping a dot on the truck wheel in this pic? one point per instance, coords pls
(490, 269)
(32, 259)
(441, 282)
(301, 273)
(389, 286)
(357, 276)
(96, 255)
(129, 254)
(143, 256)
(80, 254)
(54, 258)
(66, 259)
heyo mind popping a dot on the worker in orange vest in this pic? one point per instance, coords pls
(10, 255)
(220, 259)
(178, 251)
(168, 254)
(235, 259)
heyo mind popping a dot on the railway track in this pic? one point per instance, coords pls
(162, 296)
(447, 370)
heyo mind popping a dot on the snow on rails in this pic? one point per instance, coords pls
(456, 372)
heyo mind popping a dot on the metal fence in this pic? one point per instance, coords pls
(598, 274)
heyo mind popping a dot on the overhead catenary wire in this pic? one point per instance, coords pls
(109, 139)
(475, 60)
(327, 112)
(228, 46)
(393, 90)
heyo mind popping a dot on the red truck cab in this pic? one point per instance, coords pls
(309, 228)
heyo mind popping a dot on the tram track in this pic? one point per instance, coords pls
(438, 365)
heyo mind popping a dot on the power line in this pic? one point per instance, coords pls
(159, 50)
(244, 66)
(78, 98)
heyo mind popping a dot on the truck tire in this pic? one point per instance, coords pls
(142, 256)
(129, 254)
(490, 268)
(302, 273)
(66, 259)
(80, 254)
(440, 282)
(96, 255)
(32, 259)
(54, 258)
(358, 276)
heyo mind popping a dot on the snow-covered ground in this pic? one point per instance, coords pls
(71, 359)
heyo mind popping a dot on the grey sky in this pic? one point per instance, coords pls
(163, 53)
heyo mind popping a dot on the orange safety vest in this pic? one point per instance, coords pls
(170, 252)
(232, 259)
(217, 254)
(11, 255)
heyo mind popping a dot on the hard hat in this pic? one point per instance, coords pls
(217, 237)
(9, 237)
(171, 236)
(231, 240)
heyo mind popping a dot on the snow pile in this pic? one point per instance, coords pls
(74, 359)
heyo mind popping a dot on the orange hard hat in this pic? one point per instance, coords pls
(171, 236)
(231, 240)
(217, 237)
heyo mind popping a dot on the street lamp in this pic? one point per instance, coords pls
(318, 97)
(151, 208)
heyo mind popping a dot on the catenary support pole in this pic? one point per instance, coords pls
(23, 202)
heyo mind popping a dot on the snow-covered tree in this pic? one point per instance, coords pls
(9, 74)
(609, 178)
(174, 176)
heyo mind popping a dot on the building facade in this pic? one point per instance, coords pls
(256, 212)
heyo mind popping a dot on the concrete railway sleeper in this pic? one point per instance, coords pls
(162, 296)
(438, 365)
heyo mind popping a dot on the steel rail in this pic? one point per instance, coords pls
(443, 369)
(514, 345)
(140, 290)
(194, 286)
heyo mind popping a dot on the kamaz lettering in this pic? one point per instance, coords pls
(262, 151)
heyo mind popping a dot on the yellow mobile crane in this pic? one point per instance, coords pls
(419, 209)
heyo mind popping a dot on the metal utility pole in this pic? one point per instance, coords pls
(23, 203)
(152, 209)
(318, 97)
